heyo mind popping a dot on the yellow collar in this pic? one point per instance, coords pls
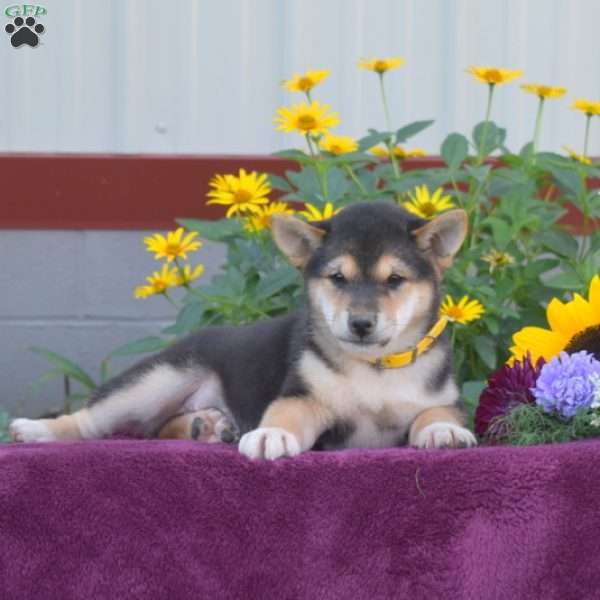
(395, 361)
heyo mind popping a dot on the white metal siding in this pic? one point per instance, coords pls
(202, 76)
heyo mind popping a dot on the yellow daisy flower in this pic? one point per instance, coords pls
(425, 205)
(306, 118)
(244, 193)
(497, 259)
(305, 82)
(262, 219)
(173, 246)
(578, 157)
(398, 151)
(381, 65)
(544, 91)
(312, 213)
(186, 274)
(589, 107)
(466, 310)
(339, 144)
(159, 282)
(572, 324)
(493, 75)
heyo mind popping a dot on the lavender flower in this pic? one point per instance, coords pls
(566, 383)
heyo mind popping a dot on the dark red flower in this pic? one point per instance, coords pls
(508, 387)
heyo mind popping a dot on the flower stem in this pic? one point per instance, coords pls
(321, 175)
(388, 124)
(486, 125)
(587, 134)
(356, 180)
(538, 125)
(166, 295)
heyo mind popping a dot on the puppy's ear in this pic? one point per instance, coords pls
(442, 237)
(296, 239)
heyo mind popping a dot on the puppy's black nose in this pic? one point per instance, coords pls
(362, 325)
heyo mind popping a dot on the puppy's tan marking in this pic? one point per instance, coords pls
(393, 305)
(391, 265)
(344, 264)
(303, 417)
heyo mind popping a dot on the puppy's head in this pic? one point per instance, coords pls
(372, 272)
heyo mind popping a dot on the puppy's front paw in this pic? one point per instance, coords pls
(444, 435)
(269, 443)
(30, 430)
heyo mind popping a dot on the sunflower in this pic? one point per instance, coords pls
(339, 144)
(574, 326)
(466, 310)
(305, 82)
(497, 259)
(173, 246)
(312, 213)
(544, 91)
(159, 282)
(186, 274)
(306, 118)
(262, 219)
(244, 193)
(398, 151)
(493, 75)
(425, 205)
(589, 107)
(381, 65)
(578, 157)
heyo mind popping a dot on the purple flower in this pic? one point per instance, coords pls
(508, 387)
(566, 383)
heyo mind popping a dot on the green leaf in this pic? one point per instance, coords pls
(215, 231)
(66, 366)
(189, 318)
(567, 280)
(568, 180)
(280, 183)
(559, 242)
(142, 346)
(297, 155)
(501, 232)
(494, 138)
(411, 130)
(373, 139)
(455, 149)
(276, 281)
(486, 349)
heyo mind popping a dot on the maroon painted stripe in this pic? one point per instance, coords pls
(83, 191)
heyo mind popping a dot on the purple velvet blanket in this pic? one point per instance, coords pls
(176, 520)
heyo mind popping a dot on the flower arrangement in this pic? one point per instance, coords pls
(516, 259)
(550, 388)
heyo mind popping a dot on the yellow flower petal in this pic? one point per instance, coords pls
(494, 75)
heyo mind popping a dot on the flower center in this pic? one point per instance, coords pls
(493, 76)
(380, 66)
(543, 91)
(305, 83)
(242, 196)
(172, 249)
(306, 122)
(454, 313)
(429, 209)
(159, 286)
(588, 339)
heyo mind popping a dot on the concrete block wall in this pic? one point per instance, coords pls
(72, 292)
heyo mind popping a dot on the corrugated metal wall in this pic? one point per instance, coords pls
(202, 76)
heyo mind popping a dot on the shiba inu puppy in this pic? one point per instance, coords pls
(365, 363)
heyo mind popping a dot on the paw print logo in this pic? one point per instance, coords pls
(24, 32)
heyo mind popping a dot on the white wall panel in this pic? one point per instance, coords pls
(191, 76)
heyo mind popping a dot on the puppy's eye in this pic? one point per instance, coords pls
(393, 281)
(338, 278)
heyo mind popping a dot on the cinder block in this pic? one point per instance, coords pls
(42, 274)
